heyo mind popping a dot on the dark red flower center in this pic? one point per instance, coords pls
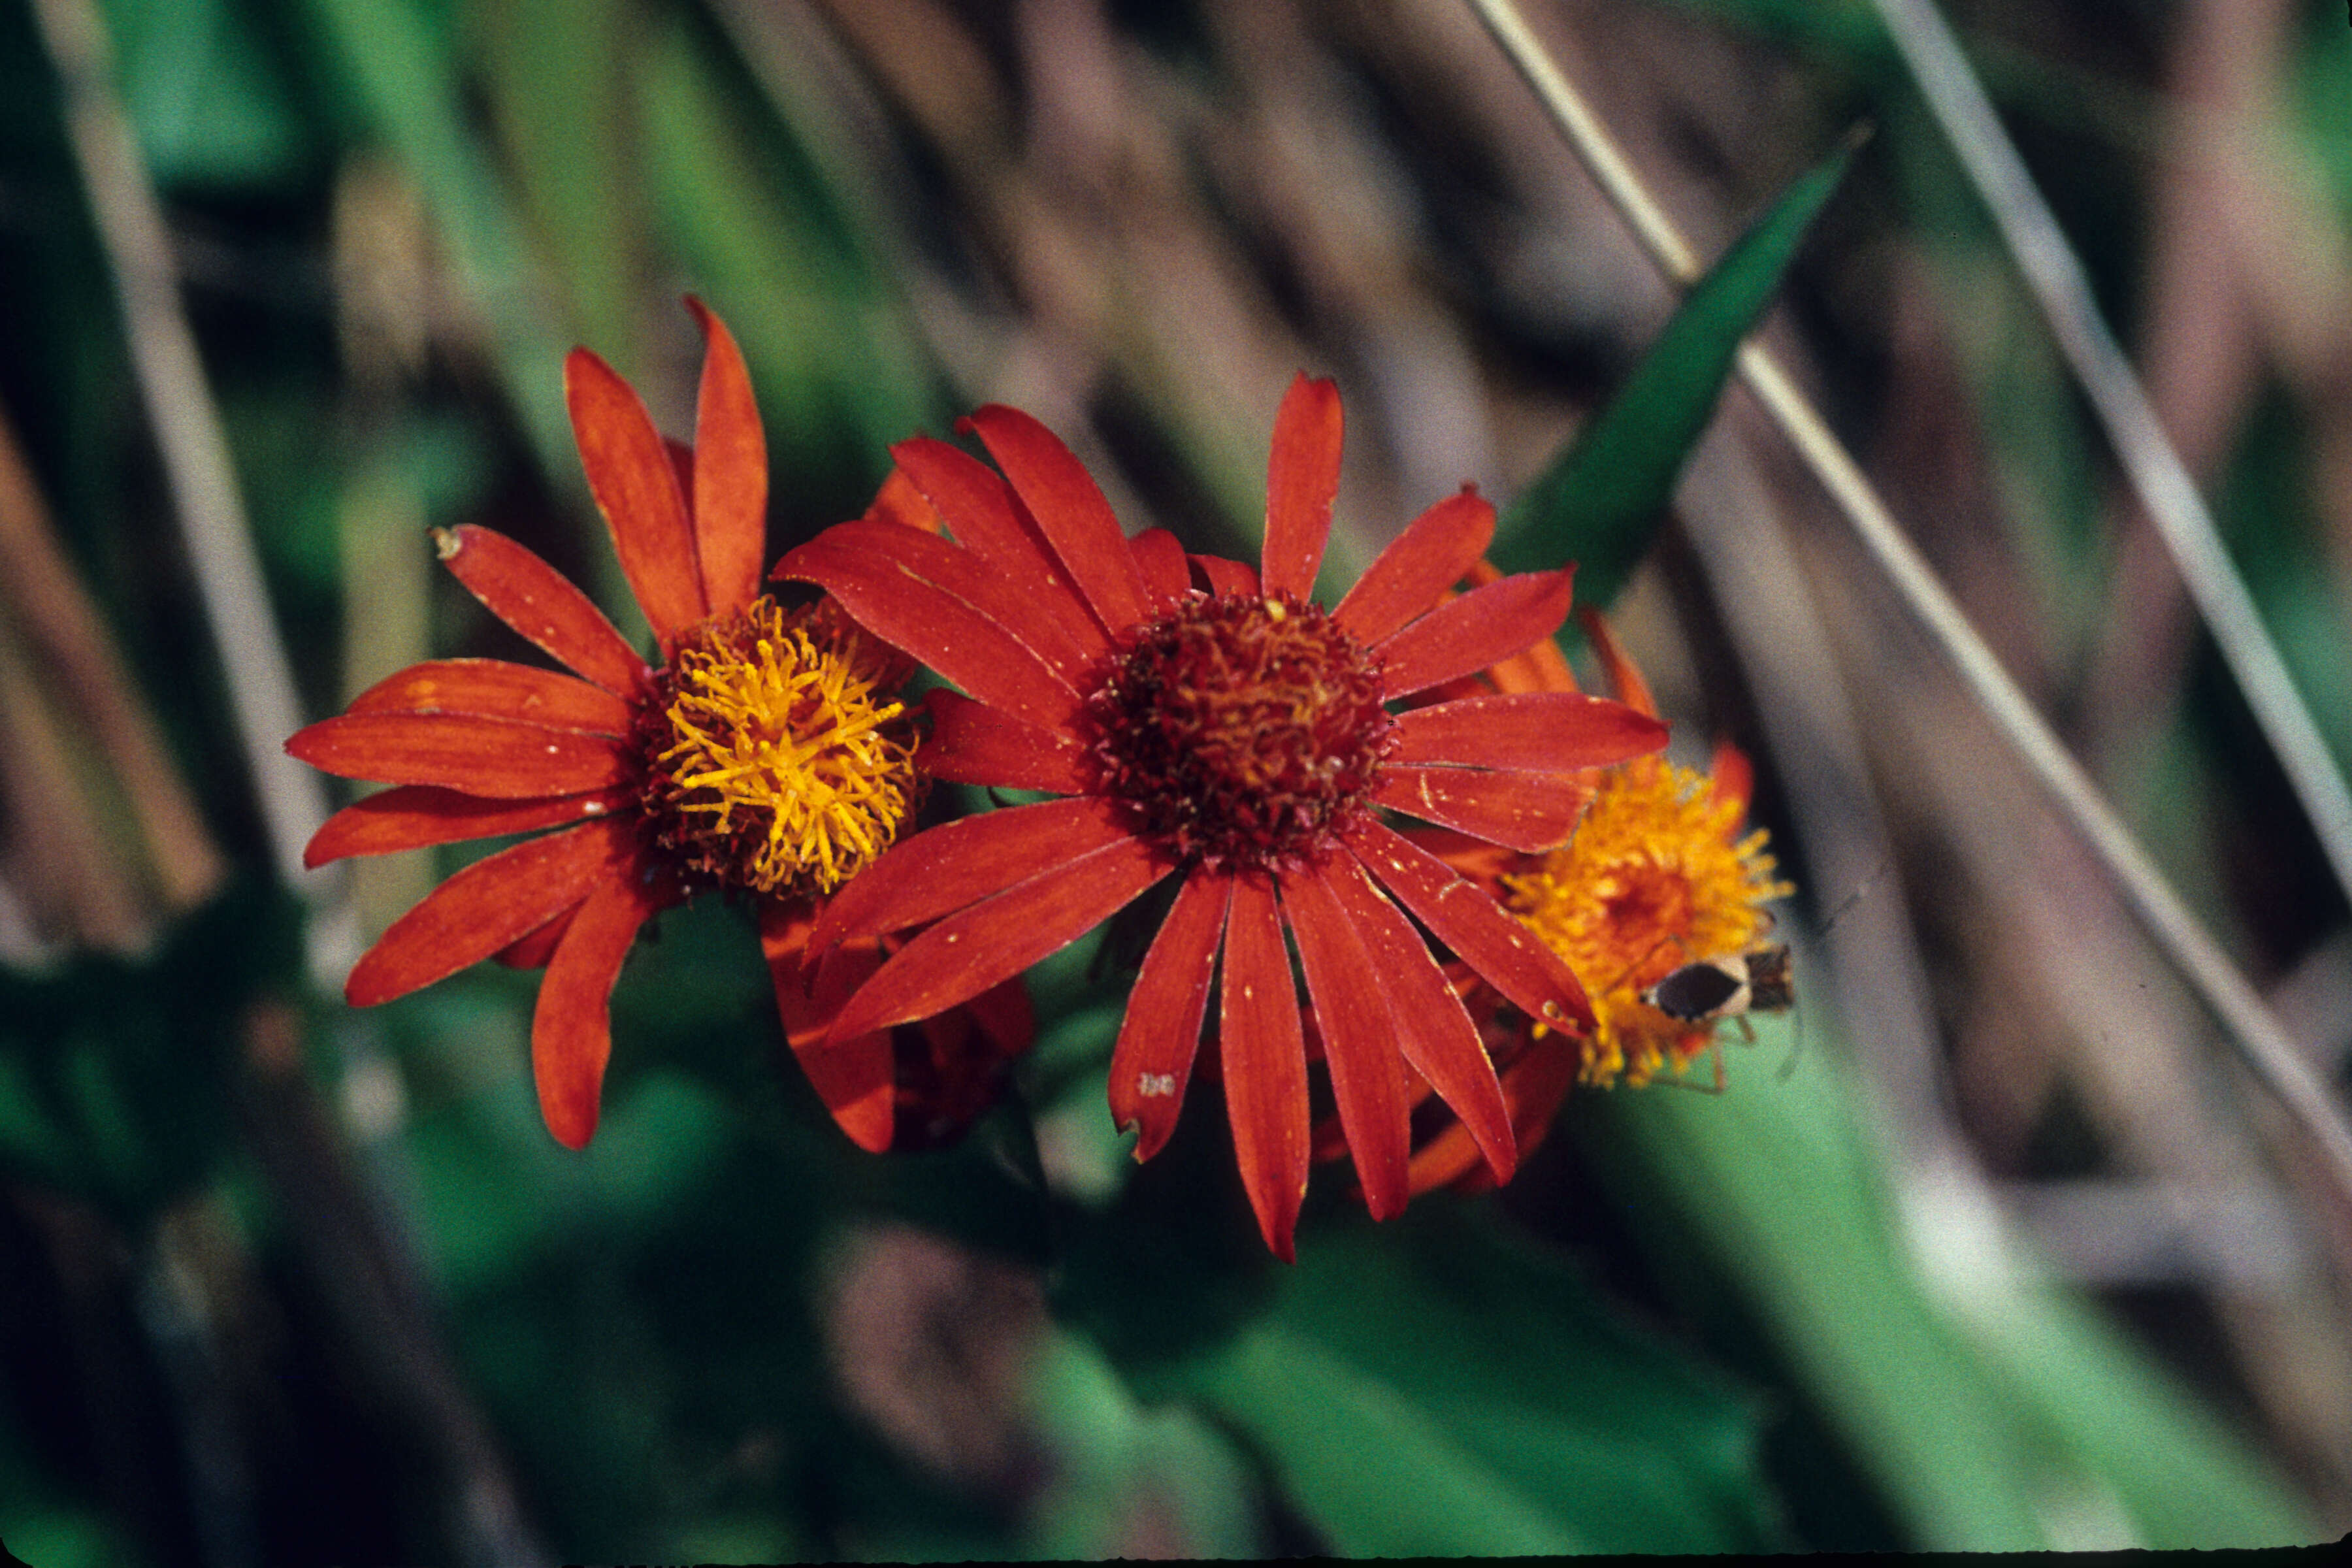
(1243, 730)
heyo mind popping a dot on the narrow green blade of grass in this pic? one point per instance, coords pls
(1600, 501)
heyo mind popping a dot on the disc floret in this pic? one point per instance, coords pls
(1243, 730)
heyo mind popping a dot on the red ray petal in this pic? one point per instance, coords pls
(493, 689)
(897, 599)
(943, 869)
(981, 512)
(972, 742)
(1226, 579)
(1533, 812)
(414, 816)
(1265, 1064)
(730, 472)
(541, 604)
(534, 950)
(635, 488)
(855, 1079)
(1301, 480)
(1625, 682)
(1534, 732)
(1360, 1040)
(487, 905)
(1434, 1030)
(1070, 510)
(1161, 1032)
(481, 756)
(1421, 563)
(571, 1029)
(1162, 561)
(1463, 636)
(1732, 777)
(1481, 932)
(1003, 1013)
(997, 938)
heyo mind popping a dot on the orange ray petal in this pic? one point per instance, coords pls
(1359, 1039)
(1535, 731)
(1420, 564)
(1465, 635)
(487, 905)
(996, 939)
(900, 504)
(982, 515)
(944, 869)
(856, 1080)
(972, 742)
(1733, 777)
(572, 1027)
(1533, 812)
(1301, 481)
(493, 689)
(541, 604)
(492, 757)
(534, 950)
(1069, 510)
(1161, 1032)
(730, 472)
(1265, 1064)
(1466, 919)
(1625, 682)
(415, 815)
(636, 489)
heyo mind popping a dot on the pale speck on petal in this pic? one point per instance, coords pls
(1155, 1085)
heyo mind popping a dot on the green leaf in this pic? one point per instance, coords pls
(1600, 501)
(1437, 1387)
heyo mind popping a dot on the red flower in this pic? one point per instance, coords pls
(765, 754)
(1209, 722)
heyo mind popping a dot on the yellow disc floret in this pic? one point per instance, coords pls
(1654, 879)
(776, 764)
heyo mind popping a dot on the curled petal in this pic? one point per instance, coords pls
(972, 742)
(1226, 579)
(540, 603)
(944, 869)
(535, 950)
(730, 488)
(1419, 566)
(1359, 1039)
(1533, 812)
(1302, 480)
(492, 757)
(493, 689)
(1465, 636)
(636, 489)
(1070, 510)
(571, 1029)
(1265, 1064)
(856, 1078)
(415, 815)
(1535, 731)
(1161, 1032)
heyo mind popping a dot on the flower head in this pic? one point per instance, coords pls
(1206, 722)
(767, 753)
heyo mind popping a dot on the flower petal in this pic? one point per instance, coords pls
(1069, 510)
(982, 515)
(1302, 480)
(1420, 564)
(899, 502)
(493, 689)
(997, 938)
(1359, 1039)
(1434, 1030)
(415, 815)
(943, 869)
(1731, 777)
(487, 905)
(1466, 919)
(541, 604)
(1625, 682)
(493, 757)
(1263, 1057)
(1161, 1032)
(1166, 577)
(535, 950)
(635, 488)
(1465, 635)
(972, 742)
(572, 1027)
(1533, 812)
(856, 1080)
(894, 592)
(1534, 732)
(730, 472)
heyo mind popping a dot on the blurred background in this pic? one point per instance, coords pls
(1988, 1245)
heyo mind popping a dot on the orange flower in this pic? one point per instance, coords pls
(766, 754)
(1662, 873)
(1208, 721)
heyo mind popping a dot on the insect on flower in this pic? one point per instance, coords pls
(1730, 986)
(1208, 721)
(767, 754)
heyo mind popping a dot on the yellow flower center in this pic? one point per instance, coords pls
(1653, 879)
(776, 764)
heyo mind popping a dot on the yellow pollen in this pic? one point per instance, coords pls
(783, 765)
(1653, 879)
